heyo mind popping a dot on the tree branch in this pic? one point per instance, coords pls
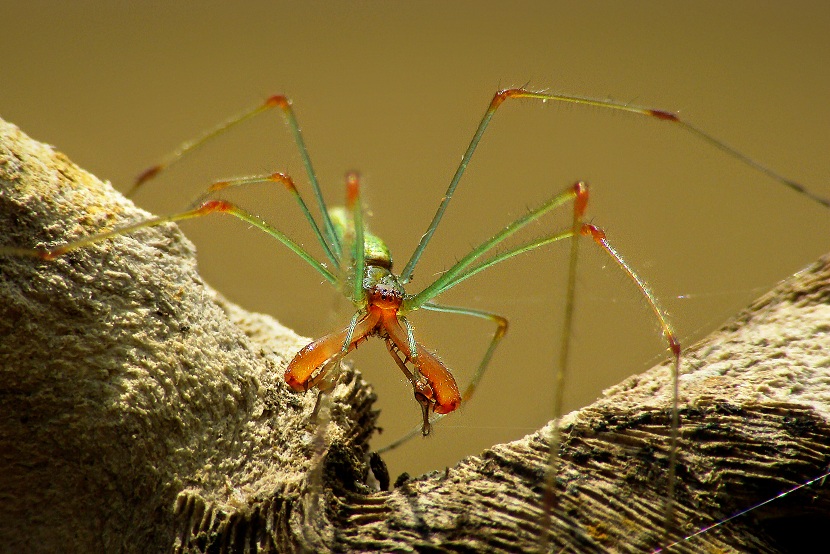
(143, 412)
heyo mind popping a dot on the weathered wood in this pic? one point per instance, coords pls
(143, 412)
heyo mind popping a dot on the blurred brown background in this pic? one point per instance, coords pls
(395, 91)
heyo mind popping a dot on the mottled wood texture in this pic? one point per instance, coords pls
(140, 412)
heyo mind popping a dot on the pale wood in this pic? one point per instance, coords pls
(143, 412)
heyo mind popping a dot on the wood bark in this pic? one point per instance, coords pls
(140, 411)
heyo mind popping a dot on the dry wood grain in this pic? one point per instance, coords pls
(143, 412)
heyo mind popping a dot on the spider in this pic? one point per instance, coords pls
(359, 265)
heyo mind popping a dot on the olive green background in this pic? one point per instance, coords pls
(395, 90)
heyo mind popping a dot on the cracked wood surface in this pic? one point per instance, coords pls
(143, 412)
